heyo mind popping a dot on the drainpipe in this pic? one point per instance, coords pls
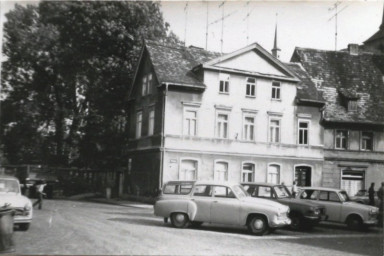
(163, 138)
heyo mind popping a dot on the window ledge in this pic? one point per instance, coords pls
(224, 93)
(250, 96)
(276, 100)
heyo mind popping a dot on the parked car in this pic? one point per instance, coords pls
(363, 198)
(10, 194)
(340, 208)
(189, 202)
(303, 214)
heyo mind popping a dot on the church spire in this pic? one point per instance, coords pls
(276, 50)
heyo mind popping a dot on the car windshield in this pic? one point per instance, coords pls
(240, 191)
(360, 193)
(344, 196)
(9, 186)
(282, 192)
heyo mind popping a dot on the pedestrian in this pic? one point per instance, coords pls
(294, 189)
(39, 191)
(380, 195)
(371, 194)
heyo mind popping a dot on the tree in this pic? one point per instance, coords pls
(69, 67)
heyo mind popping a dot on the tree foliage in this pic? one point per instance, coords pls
(68, 68)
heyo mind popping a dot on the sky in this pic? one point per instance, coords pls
(299, 23)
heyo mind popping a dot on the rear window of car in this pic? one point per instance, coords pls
(309, 194)
(178, 189)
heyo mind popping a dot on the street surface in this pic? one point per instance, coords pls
(74, 227)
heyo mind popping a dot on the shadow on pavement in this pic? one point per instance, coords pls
(143, 214)
(144, 222)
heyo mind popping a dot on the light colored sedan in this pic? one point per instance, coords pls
(189, 202)
(10, 196)
(340, 208)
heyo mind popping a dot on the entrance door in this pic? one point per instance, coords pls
(303, 176)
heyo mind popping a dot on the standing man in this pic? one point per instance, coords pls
(371, 194)
(294, 189)
(39, 190)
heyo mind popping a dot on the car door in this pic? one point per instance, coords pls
(202, 196)
(331, 201)
(225, 208)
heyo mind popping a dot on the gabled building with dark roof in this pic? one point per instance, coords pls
(352, 84)
(242, 116)
(376, 41)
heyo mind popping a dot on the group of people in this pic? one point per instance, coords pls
(380, 195)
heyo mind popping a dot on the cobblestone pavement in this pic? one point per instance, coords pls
(74, 227)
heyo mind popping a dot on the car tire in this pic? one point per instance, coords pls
(354, 222)
(24, 226)
(179, 220)
(258, 225)
(296, 222)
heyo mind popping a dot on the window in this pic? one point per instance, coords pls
(202, 190)
(139, 120)
(181, 189)
(366, 141)
(251, 87)
(352, 180)
(151, 121)
(303, 133)
(276, 90)
(220, 191)
(249, 128)
(273, 175)
(247, 172)
(190, 121)
(224, 83)
(341, 139)
(188, 170)
(352, 105)
(221, 171)
(144, 86)
(222, 126)
(274, 130)
(264, 192)
(149, 84)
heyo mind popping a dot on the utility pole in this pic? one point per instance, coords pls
(206, 30)
(335, 8)
(186, 21)
(222, 27)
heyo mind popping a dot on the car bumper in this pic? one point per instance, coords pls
(280, 222)
(21, 220)
(371, 222)
(315, 219)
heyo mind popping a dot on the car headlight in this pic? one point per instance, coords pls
(315, 211)
(27, 207)
(373, 211)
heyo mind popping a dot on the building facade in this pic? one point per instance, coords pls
(243, 116)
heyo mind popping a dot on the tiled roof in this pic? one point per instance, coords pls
(306, 88)
(377, 36)
(352, 76)
(173, 63)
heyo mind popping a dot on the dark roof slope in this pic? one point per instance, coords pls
(306, 89)
(342, 74)
(174, 63)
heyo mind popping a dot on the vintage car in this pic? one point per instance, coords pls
(363, 198)
(189, 202)
(340, 208)
(10, 196)
(303, 214)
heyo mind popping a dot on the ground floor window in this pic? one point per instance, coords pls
(303, 176)
(188, 170)
(273, 175)
(352, 180)
(221, 171)
(248, 172)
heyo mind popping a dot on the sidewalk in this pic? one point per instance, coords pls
(125, 200)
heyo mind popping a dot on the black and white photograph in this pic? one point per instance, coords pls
(235, 127)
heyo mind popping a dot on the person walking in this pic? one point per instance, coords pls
(294, 189)
(39, 190)
(371, 194)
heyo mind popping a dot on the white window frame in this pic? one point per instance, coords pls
(244, 135)
(250, 85)
(362, 147)
(139, 123)
(346, 137)
(149, 83)
(299, 129)
(226, 136)
(189, 109)
(225, 78)
(144, 86)
(151, 120)
(253, 172)
(279, 172)
(276, 89)
(274, 118)
(189, 159)
(215, 175)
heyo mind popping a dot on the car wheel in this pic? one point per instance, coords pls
(354, 222)
(296, 222)
(24, 226)
(258, 225)
(179, 220)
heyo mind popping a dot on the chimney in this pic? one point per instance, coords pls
(353, 49)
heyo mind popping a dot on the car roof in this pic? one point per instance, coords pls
(8, 177)
(202, 182)
(322, 188)
(261, 184)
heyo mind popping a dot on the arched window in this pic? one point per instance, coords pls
(248, 172)
(188, 169)
(221, 171)
(273, 175)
